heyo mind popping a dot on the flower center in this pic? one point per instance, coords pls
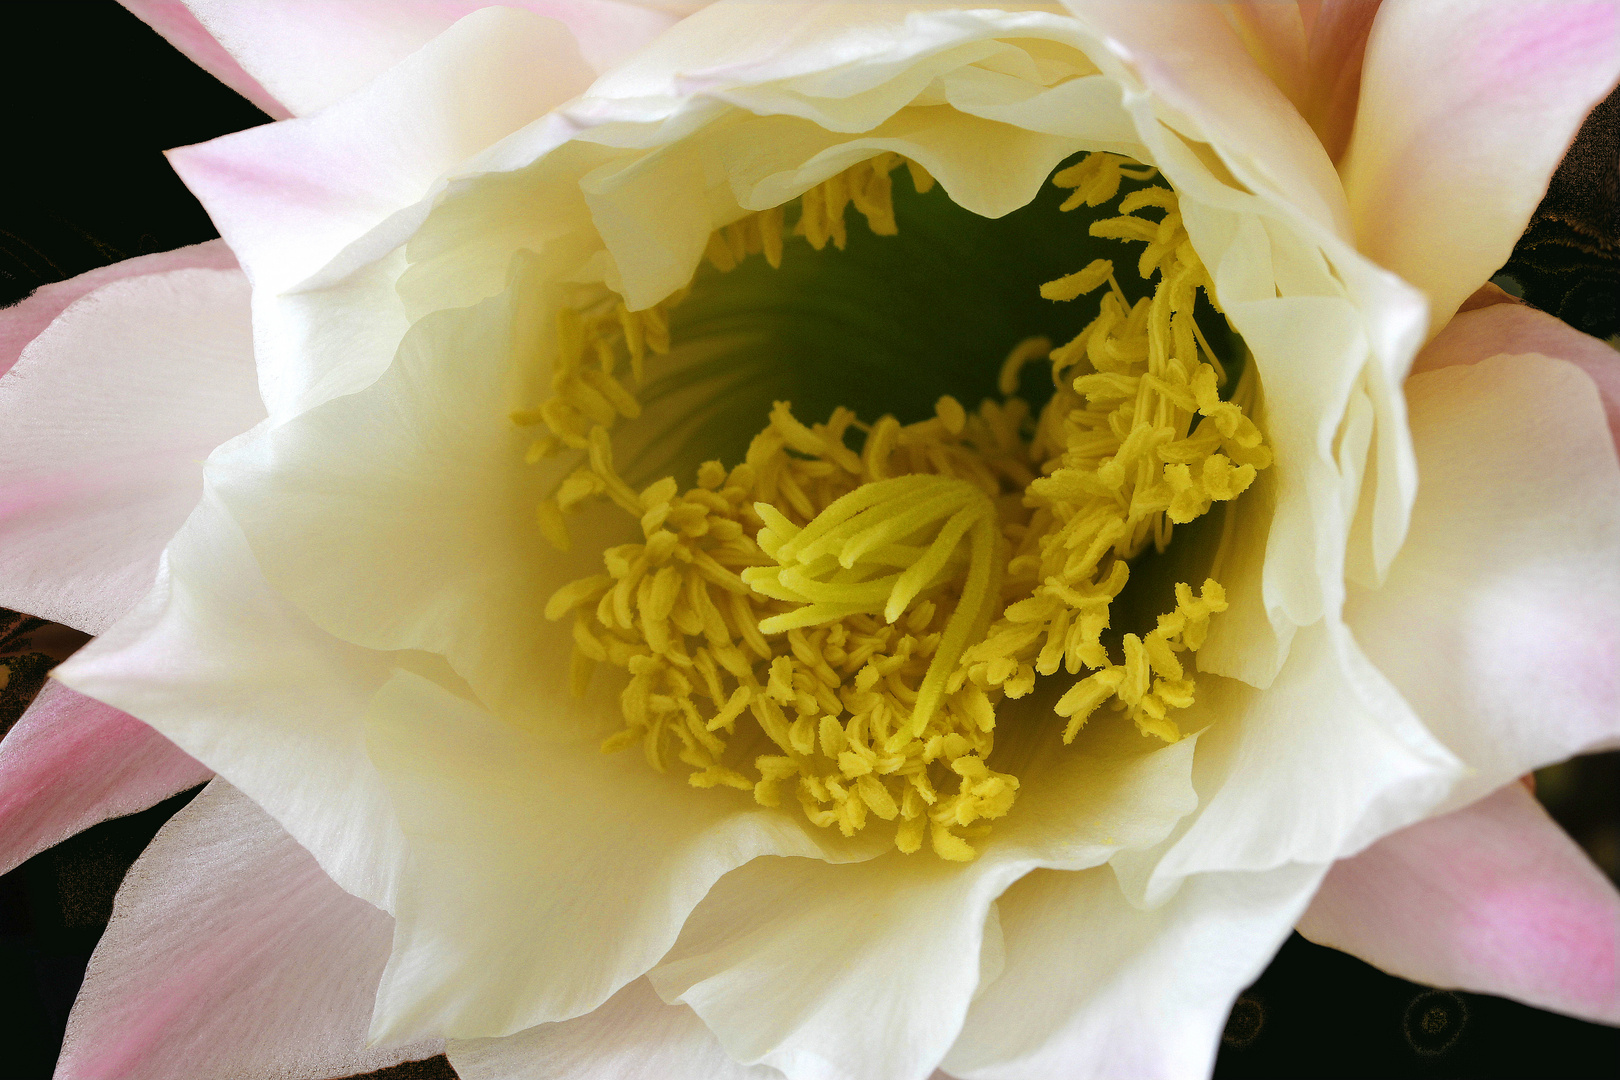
(846, 610)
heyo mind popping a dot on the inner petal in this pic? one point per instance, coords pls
(839, 612)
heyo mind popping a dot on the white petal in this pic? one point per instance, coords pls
(291, 198)
(70, 762)
(1314, 768)
(887, 954)
(108, 414)
(230, 953)
(545, 875)
(227, 670)
(1498, 619)
(311, 53)
(1095, 987)
(631, 1036)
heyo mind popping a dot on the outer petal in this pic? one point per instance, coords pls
(1094, 987)
(218, 663)
(489, 941)
(901, 944)
(71, 762)
(26, 320)
(1494, 898)
(631, 1036)
(107, 415)
(311, 53)
(1497, 621)
(176, 22)
(1465, 110)
(230, 953)
(292, 197)
(1514, 328)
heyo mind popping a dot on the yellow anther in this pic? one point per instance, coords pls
(848, 623)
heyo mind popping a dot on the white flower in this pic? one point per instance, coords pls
(349, 626)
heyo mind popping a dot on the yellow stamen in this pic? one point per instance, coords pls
(849, 622)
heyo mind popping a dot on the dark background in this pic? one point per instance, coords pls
(93, 97)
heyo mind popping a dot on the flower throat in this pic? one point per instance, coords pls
(839, 617)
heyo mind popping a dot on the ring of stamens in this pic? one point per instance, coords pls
(849, 622)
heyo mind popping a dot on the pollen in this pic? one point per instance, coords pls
(838, 619)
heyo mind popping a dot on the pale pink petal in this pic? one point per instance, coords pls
(180, 28)
(107, 416)
(71, 762)
(1513, 328)
(1497, 621)
(1465, 110)
(1494, 898)
(26, 320)
(631, 1036)
(230, 954)
(291, 197)
(311, 53)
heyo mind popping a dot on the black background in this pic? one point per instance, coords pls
(93, 97)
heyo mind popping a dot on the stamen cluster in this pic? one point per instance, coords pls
(848, 622)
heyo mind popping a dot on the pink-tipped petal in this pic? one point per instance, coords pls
(108, 415)
(175, 21)
(1496, 622)
(1494, 898)
(71, 762)
(312, 53)
(1465, 110)
(230, 954)
(24, 321)
(290, 198)
(1513, 328)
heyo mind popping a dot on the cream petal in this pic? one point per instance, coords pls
(902, 943)
(631, 1036)
(333, 193)
(108, 414)
(1497, 621)
(1312, 769)
(312, 53)
(230, 953)
(545, 875)
(1494, 898)
(70, 762)
(180, 27)
(219, 664)
(1095, 987)
(1465, 110)
(421, 533)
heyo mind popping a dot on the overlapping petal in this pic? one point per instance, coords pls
(488, 943)
(1494, 898)
(1497, 620)
(71, 762)
(230, 953)
(1465, 109)
(311, 54)
(108, 413)
(332, 194)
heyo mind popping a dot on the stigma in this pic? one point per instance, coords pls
(838, 618)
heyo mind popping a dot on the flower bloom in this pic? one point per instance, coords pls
(592, 379)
